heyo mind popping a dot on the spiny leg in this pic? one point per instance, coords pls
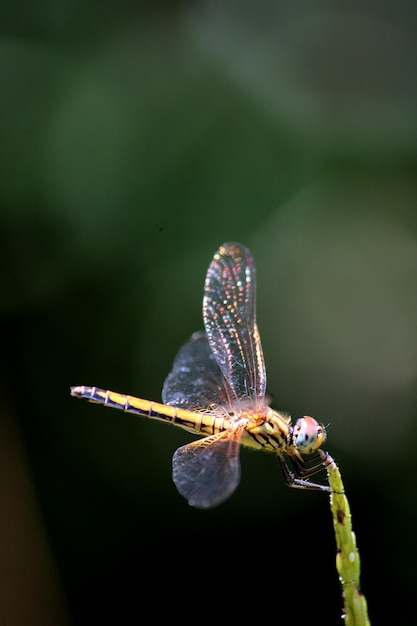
(292, 478)
(303, 467)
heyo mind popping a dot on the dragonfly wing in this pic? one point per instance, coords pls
(207, 471)
(196, 381)
(229, 313)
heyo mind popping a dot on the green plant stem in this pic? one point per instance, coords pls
(347, 556)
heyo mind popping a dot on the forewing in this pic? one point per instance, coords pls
(207, 471)
(196, 381)
(229, 313)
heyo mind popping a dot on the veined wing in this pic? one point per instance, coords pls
(229, 313)
(207, 471)
(195, 381)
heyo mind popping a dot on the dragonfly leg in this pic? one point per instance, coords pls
(295, 477)
(308, 468)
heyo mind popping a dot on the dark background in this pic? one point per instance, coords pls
(135, 139)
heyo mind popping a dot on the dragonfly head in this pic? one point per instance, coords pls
(308, 435)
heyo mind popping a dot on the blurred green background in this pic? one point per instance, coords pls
(135, 139)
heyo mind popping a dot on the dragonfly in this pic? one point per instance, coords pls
(217, 389)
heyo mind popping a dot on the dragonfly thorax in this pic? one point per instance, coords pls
(269, 431)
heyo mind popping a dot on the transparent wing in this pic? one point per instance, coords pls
(207, 471)
(229, 313)
(195, 380)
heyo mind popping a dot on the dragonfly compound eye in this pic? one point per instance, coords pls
(308, 435)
